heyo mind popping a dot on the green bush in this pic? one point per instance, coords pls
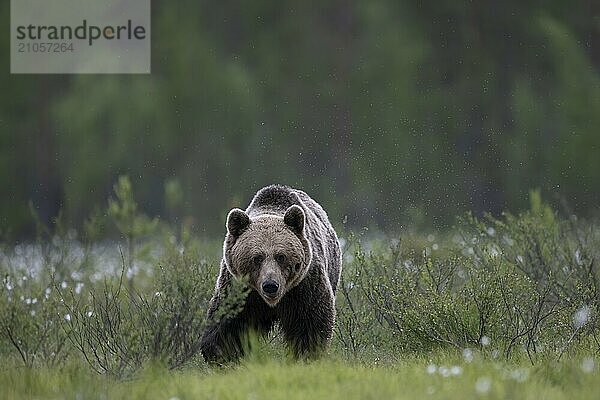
(519, 285)
(30, 322)
(72, 304)
(520, 282)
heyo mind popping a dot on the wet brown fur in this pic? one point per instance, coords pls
(280, 221)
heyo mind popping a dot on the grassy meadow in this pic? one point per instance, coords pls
(494, 308)
(440, 375)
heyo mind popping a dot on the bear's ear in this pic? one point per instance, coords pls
(237, 222)
(294, 219)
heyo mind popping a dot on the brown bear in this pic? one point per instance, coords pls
(286, 248)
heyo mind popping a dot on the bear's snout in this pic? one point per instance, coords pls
(270, 288)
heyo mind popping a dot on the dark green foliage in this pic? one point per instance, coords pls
(30, 322)
(520, 285)
(117, 330)
(390, 112)
(521, 282)
(72, 304)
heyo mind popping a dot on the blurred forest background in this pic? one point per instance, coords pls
(390, 113)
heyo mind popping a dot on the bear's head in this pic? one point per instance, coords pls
(270, 250)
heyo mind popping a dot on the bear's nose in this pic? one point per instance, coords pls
(270, 288)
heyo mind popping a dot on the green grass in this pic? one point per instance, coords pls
(410, 378)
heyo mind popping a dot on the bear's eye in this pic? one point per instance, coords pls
(258, 259)
(280, 258)
(297, 268)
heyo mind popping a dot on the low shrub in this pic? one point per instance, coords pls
(522, 284)
(525, 282)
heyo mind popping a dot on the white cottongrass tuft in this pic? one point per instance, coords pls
(581, 316)
(485, 341)
(588, 365)
(468, 355)
(520, 374)
(483, 385)
(446, 372)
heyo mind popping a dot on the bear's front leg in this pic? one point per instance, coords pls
(307, 322)
(221, 340)
(227, 336)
